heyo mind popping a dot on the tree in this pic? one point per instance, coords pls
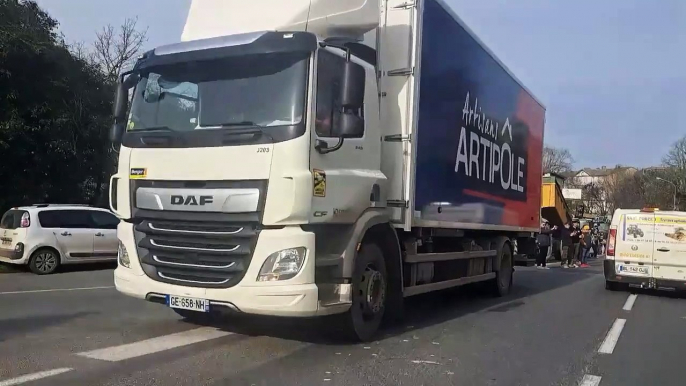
(116, 48)
(557, 160)
(55, 108)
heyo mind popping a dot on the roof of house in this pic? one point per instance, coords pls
(605, 171)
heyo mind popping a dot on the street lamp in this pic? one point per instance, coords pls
(675, 190)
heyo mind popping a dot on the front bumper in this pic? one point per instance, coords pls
(296, 297)
(640, 282)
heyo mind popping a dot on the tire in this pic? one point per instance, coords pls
(502, 284)
(369, 290)
(44, 261)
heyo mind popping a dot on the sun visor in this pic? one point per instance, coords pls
(325, 18)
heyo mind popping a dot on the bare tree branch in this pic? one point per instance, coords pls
(116, 48)
(557, 160)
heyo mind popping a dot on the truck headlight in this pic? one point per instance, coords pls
(123, 256)
(282, 265)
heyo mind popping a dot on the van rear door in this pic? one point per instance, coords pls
(669, 257)
(634, 247)
(12, 232)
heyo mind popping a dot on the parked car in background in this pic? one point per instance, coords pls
(45, 236)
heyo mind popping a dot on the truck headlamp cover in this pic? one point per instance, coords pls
(123, 256)
(283, 265)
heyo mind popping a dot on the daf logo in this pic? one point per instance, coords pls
(634, 247)
(191, 200)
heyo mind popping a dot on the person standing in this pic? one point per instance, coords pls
(567, 248)
(586, 244)
(543, 241)
(576, 247)
(555, 249)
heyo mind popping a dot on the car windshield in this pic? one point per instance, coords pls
(227, 92)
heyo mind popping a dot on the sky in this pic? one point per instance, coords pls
(611, 73)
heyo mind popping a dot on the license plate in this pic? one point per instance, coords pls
(6, 241)
(192, 304)
(633, 269)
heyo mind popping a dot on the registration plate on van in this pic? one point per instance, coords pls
(633, 269)
(192, 304)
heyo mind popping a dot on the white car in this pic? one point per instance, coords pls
(45, 236)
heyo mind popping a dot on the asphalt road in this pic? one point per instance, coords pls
(73, 328)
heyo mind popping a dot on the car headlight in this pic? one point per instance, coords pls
(282, 265)
(123, 256)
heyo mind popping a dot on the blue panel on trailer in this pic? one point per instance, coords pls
(479, 132)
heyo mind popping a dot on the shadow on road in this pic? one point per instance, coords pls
(420, 311)
(22, 326)
(87, 267)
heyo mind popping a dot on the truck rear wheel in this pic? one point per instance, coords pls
(502, 283)
(369, 287)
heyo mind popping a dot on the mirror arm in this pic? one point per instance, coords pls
(322, 147)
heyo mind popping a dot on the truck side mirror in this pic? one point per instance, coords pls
(120, 108)
(352, 87)
(121, 100)
(349, 126)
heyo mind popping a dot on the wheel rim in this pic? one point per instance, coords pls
(372, 292)
(46, 262)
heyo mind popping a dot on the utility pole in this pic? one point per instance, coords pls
(675, 191)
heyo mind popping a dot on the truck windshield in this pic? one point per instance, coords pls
(257, 90)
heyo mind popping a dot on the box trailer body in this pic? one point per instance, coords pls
(325, 157)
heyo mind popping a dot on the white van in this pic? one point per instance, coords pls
(45, 236)
(646, 248)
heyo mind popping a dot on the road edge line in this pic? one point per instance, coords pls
(34, 376)
(54, 290)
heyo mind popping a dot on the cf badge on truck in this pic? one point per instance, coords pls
(138, 173)
(319, 186)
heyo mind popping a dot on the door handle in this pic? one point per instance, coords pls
(663, 250)
(99, 234)
(65, 234)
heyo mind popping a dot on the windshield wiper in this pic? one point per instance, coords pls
(236, 124)
(149, 129)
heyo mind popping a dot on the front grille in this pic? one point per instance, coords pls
(209, 254)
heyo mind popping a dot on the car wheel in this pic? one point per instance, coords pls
(44, 262)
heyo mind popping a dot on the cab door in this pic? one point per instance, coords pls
(346, 181)
(634, 247)
(669, 252)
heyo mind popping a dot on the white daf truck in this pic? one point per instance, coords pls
(319, 157)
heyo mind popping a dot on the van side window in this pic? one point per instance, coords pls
(329, 80)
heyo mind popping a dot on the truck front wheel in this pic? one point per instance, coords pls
(369, 288)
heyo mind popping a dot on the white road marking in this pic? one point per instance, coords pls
(154, 345)
(612, 337)
(33, 377)
(55, 290)
(630, 302)
(418, 362)
(590, 380)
